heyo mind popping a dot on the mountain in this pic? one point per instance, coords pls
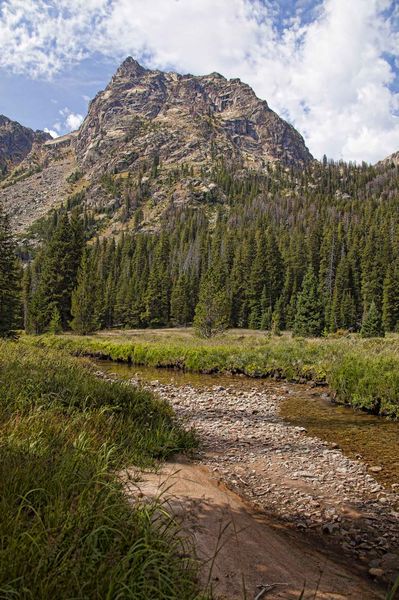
(182, 118)
(392, 159)
(192, 193)
(146, 119)
(16, 142)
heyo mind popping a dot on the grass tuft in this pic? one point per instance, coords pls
(66, 528)
(361, 372)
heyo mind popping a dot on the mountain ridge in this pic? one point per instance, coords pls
(16, 142)
(150, 139)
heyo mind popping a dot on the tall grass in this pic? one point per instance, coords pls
(363, 373)
(66, 528)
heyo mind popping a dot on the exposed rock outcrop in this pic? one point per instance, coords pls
(16, 142)
(392, 159)
(182, 118)
(145, 116)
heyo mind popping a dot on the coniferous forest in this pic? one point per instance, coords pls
(314, 251)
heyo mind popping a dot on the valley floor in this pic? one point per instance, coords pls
(293, 505)
(363, 373)
(283, 506)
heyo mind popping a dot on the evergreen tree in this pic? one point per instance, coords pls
(55, 325)
(390, 302)
(372, 325)
(266, 320)
(55, 274)
(259, 242)
(309, 311)
(84, 299)
(9, 279)
(26, 296)
(181, 302)
(158, 288)
(276, 323)
(213, 308)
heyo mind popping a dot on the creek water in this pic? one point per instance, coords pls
(369, 438)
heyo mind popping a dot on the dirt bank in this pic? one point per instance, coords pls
(243, 552)
(301, 506)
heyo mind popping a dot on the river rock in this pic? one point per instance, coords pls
(376, 572)
(292, 476)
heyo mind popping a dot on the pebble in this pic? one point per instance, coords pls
(294, 477)
(375, 572)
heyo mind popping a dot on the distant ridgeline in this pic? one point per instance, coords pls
(314, 249)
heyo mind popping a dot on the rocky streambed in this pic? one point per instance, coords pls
(297, 478)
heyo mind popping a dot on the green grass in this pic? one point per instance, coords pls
(360, 372)
(66, 527)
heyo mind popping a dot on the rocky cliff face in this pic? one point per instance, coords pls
(145, 117)
(181, 118)
(16, 142)
(392, 159)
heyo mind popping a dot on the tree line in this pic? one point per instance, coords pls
(314, 252)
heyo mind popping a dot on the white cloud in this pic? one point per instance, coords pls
(53, 133)
(331, 77)
(74, 121)
(69, 122)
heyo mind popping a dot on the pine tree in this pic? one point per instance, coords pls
(266, 319)
(276, 322)
(181, 302)
(213, 308)
(55, 274)
(26, 296)
(309, 311)
(372, 326)
(9, 279)
(158, 288)
(55, 325)
(84, 298)
(390, 302)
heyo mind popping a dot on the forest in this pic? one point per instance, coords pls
(315, 252)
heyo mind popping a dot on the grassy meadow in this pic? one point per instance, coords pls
(361, 372)
(66, 528)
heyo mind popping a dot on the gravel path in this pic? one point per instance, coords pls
(301, 480)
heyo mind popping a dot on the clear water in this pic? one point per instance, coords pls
(373, 438)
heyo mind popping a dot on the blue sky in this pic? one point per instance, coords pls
(330, 67)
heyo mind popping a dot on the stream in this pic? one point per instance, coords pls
(313, 466)
(372, 439)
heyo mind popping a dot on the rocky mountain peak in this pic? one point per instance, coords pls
(392, 159)
(144, 113)
(144, 117)
(16, 142)
(129, 68)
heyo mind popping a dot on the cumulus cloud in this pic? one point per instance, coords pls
(328, 66)
(69, 122)
(73, 121)
(53, 133)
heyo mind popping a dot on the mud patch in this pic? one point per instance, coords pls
(241, 550)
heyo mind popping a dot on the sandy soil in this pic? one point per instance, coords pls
(243, 552)
(272, 510)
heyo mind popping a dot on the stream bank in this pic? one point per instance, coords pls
(296, 479)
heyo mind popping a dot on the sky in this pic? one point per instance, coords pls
(329, 67)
